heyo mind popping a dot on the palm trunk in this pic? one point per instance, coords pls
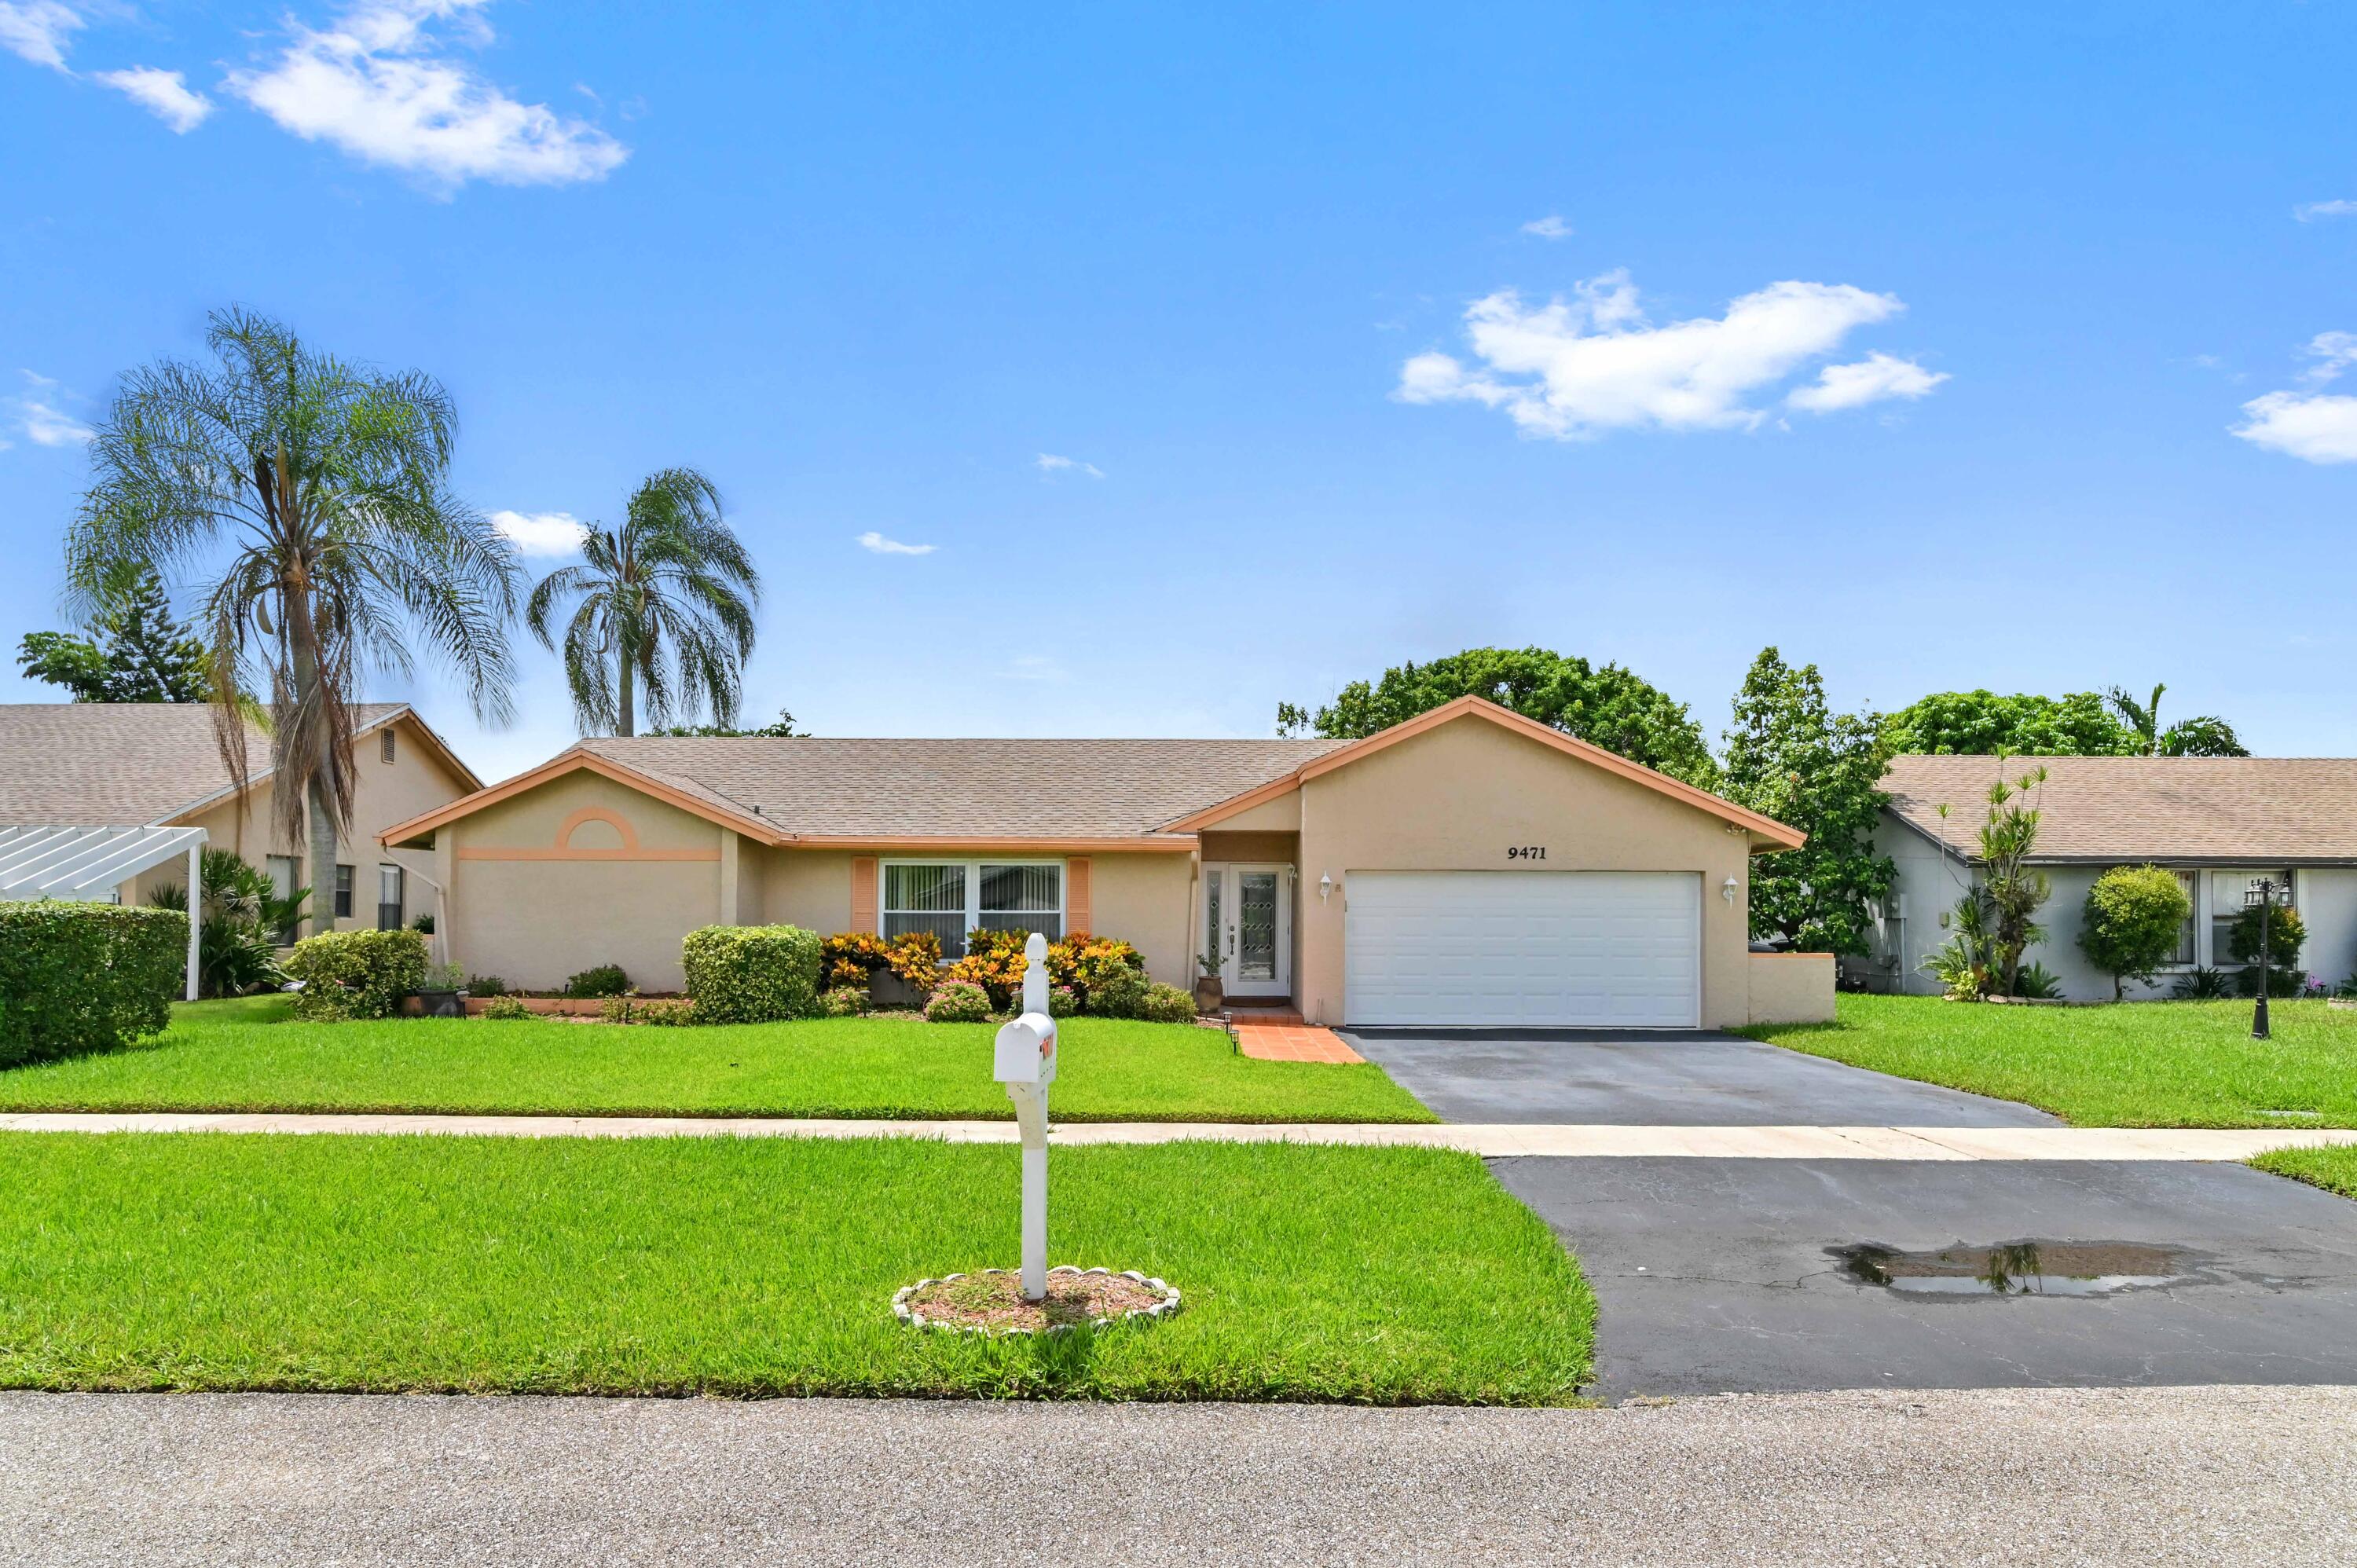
(318, 813)
(322, 822)
(626, 718)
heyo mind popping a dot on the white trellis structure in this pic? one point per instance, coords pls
(41, 862)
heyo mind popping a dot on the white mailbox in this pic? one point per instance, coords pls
(1024, 1059)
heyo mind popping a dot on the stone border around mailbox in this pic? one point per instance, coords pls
(1167, 1303)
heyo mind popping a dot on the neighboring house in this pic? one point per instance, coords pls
(158, 764)
(1470, 867)
(2218, 821)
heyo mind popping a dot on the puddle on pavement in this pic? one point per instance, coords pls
(2019, 1268)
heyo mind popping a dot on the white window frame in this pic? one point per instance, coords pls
(973, 911)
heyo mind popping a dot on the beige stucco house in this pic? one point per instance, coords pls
(158, 764)
(1468, 867)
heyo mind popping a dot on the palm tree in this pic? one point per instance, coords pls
(665, 604)
(2207, 736)
(328, 483)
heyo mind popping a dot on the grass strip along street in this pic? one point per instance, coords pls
(763, 1267)
(2334, 1170)
(248, 1054)
(2160, 1064)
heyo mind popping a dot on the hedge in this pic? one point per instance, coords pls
(752, 974)
(76, 978)
(356, 974)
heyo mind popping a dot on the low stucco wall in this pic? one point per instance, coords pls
(1792, 987)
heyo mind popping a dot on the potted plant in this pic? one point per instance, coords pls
(1208, 991)
(443, 993)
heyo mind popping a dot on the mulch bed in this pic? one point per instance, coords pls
(992, 1302)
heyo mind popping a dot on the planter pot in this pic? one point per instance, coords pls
(441, 1003)
(1209, 994)
(889, 990)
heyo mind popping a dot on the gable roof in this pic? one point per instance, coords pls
(99, 764)
(1767, 834)
(827, 790)
(2111, 809)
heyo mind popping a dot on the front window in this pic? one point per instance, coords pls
(389, 890)
(2226, 890)
(282, 869)
(2184, 955)
(343, 893)
(950, 899)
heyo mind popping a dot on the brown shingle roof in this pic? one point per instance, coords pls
(2262, 809)
(119, 764)
(986, 788)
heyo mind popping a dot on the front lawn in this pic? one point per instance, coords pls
(247, 1055)
(763, 1266)
(2139, 1063)
(2333, 1169)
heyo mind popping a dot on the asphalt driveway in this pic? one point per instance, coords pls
(1640, 1079)
(1735, 1275)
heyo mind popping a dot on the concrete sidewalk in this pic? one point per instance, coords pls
(1498, 1140)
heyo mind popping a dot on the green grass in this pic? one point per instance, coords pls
(247, 1055)
(2143, 1063)
(763, 1266)
(2334, 1169)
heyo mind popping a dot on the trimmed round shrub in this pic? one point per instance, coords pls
(77, 978)
(600, 980)
(2130, 927)
(1120, 995)
(1062, 1002)
(752, 974)
(844, 1001)
(506, 1009)
(2286, 934)
(356, 974)
(958, 1002)
(1165, 1004)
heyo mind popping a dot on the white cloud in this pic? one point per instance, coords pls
(37, 30)
(1051, 464)
(1871, 379)
(2314, 427)
(1573, 369)
(40, 420)
(540, 532)
(875, 544)
(376, 84)
(1033, 667)
(1551, 227)
(2309, 213)
(163, 94)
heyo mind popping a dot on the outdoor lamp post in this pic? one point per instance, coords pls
(2264, 895)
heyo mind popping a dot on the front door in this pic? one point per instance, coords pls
(1248, 922)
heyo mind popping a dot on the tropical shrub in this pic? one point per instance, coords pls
(618, 1010)
(1085, 963)
(599, 980)
(752, 974)
(2286, 934)
(486, 986)
(355, 974)
(995, 961)
(1165, 1004)
(855, 957)
(957, 1002)
(663, 1013)
(844, 1001)
(506, 1009)
(2133, 916)
(2037, 984)
(77, 978)
(1062, 1002)
(1122, 995)
(237, 932)
(2202, 983)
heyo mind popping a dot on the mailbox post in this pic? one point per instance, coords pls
(1024, 1059)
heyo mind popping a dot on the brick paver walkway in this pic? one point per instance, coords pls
(1274, 1036)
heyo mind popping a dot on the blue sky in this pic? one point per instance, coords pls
(1916, 344)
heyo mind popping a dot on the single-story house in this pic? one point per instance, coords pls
(158, 764)
(2219, 822)
(1470, 867)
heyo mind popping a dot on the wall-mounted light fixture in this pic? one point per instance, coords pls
(1325, 885)
(1729, 888)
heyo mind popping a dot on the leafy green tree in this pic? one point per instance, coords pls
(1791, 758)
(782, 730)
(311, 494)
(146, 656)
(1606, 707)
(663, 604)
(1983, 723)
(2286, 933)
(2207, 736)
(1996, 921)
(2133, 916)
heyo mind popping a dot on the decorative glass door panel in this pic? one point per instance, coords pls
(1248, 924)
(1255, 926)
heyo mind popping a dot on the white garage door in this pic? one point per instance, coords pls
(1609, 949)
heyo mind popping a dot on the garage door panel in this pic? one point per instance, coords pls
(1601, 949)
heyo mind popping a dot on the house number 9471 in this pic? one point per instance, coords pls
(1527, 852)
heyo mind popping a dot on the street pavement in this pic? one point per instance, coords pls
(2208, 1475)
